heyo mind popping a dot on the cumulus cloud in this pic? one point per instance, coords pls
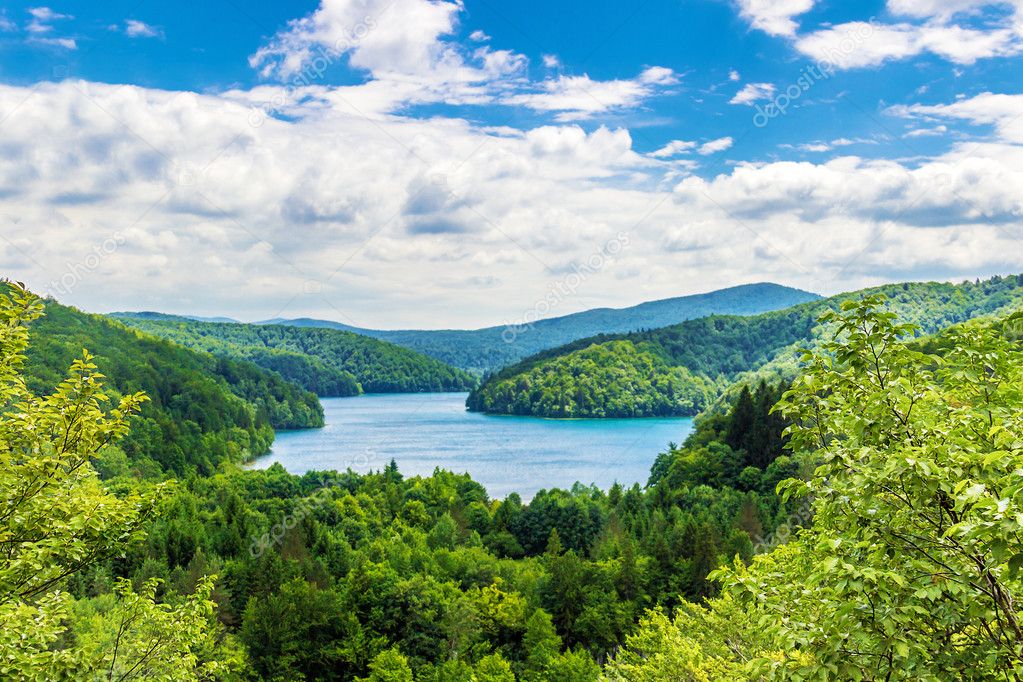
(406, 45)
(774, 17)
(946, 28)
(752, 92)
(410, 54)
(327, 213)
(1004, 112)
(139, 29)
(863, 44)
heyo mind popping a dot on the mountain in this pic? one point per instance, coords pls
(203, 410)
(150, 315)
(329, 362)
(490, 348)
(680, 369)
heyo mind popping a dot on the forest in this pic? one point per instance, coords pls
(328, 362)
(859, 522)
(713, 352)
(482, 351)
(201, 411)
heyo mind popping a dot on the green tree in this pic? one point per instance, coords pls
(389, 666)
(493, 668)
(541, 643)
(911, 568)
(57, 520)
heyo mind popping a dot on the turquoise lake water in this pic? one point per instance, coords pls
(422, 431)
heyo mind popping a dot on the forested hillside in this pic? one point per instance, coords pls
(328, 362)
(489, 349)
(713, 350)
(202, 410)
(867, 528)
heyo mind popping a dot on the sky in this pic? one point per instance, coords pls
(457, 164)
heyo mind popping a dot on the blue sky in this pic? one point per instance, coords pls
(432, 163)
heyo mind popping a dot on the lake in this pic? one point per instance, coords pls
(422, 431)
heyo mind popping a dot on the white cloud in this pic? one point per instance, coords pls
(64, 43)
(220, 217)
(42, 17)
(946, 28)
(406, 47)
(862, 44)
(673, 148)
(1005, 112)
(714, 146)
(752, 92)
(580, 97)
(658, 75)
(733, 75)
(774, 17)
(551, 61)
(140, 29)
(815, 147)
(928, 132)
(409, 52)
(479, 36)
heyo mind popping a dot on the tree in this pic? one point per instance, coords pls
(58, 520)
(916, 547)
(911, 568)
(542, 645)
(493, 668)
(389, 666)
(740, 420)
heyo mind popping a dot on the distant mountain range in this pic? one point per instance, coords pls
(488, 349)
(683, 368)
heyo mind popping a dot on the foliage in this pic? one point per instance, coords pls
(911, 567)
(716, 351)
(616, 379)
(329, 362)
(202, 411)
(57, 520)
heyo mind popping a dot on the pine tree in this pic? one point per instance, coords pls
(740, 420)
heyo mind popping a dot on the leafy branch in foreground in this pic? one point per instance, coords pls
(57, 519)
(911, 569)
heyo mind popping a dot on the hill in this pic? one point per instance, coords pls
(203, 410)
(329, 362)
(715, 351)
(490, 348)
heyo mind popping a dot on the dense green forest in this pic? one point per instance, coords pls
(328, 362)
(489, 349)
(202, 410)
(338, 575)
(861, 522)
(714, 351)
